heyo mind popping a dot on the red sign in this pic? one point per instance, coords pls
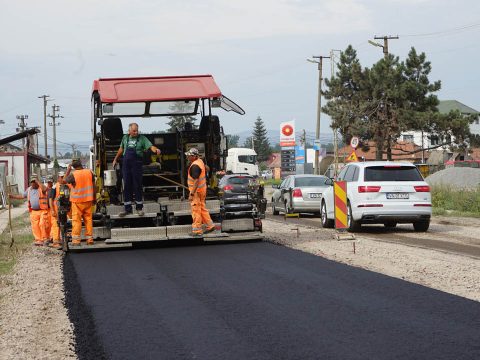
(287, 134)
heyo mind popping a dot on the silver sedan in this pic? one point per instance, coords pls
(299, 193)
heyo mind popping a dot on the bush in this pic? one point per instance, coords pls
(458, 200)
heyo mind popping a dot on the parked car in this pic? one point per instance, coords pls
(267, 174)
(299, 193)
(241, 195)
(381, 192)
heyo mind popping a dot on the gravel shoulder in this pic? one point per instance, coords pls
(33, 319)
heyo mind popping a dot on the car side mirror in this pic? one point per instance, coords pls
(274, 186)
(329, 182)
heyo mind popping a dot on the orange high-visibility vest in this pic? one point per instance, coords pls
(42, 200)
(83, 190)
(202, 180)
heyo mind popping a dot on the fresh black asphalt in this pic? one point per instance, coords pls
(257, 301)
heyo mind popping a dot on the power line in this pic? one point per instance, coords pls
(446, 32)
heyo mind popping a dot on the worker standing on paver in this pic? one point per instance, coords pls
(38, 208)
(52, 202)
(82, 196)
(197, 186)
(132, 147)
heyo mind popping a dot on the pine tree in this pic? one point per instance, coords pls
(261, 143)
(179, 121)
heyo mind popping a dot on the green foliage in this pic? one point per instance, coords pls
(381, 102)
(261, 143)
(233, 141)
(23, 240)
(179, 121)
(446, 199)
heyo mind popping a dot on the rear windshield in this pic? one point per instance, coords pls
(392, 173)
(310, 181)
(239, 180)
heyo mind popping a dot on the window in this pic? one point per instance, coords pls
(310, 181)
(477, 121)
(392, 173)
(349, 173)
(408, 138)
(239, 180)
(249, 159)
(434, 140)
(342, 173)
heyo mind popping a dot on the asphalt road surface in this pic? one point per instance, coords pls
(257, 301)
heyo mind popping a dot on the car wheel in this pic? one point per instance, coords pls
(352, 224)
(326, 222)
(390, 224)
(274, 209)
(421, 226)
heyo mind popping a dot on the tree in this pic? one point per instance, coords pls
(179, 121)
(389, 98)
(233, 141)
(261, 143)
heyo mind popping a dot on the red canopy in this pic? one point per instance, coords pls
(156, 88)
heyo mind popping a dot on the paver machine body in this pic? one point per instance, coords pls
(119, 101)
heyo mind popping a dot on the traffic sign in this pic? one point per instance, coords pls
(354, 142)
(352, 157)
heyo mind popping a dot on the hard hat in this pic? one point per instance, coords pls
(61, 173)
(192, 152)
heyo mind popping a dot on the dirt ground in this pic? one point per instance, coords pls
(34, 322)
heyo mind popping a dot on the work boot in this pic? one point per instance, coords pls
(76, 243)
(196, 235)
(47, 242)
(209, 230)
(90, 242)
(124, 213)
(140, 212)
(56, 245)
(38, 243)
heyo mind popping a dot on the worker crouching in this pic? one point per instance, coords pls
(52, 201)
(82, 195)
(197, 186)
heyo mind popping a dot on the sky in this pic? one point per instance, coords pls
(256, 51)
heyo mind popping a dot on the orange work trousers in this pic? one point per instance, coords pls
(82, 211)
(200, 214)
(38, 220)
(48, 224)
(54, 229)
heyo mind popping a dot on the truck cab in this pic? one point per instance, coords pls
(242, 161)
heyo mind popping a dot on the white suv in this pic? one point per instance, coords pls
(381, 192)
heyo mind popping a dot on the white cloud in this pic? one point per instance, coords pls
(53, 25)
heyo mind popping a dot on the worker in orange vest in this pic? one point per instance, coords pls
(38, 208)
(197, 186)
(52, 202)
(48, 224)
(82, 196)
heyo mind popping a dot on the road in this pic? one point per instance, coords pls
(452, 235)
(257, 301)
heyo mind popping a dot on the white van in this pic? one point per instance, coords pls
(242, 161)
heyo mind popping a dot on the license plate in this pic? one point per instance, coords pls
(397, 195)
(241, 196)
(315, 195)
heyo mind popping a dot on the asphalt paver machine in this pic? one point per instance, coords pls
(147, 100)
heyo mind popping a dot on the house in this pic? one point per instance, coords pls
(426, 140)
(16, 163)
(401, 151)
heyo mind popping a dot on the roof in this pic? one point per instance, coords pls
(402, 150)
(445, 106)
(113, 90)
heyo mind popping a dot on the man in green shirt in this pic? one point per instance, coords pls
(132, 148)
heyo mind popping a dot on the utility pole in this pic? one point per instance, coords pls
(74, 149)
(21, 126)
(54, 124)
(44, 97)
(319, 106)
(304, 140)
(385, 43)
